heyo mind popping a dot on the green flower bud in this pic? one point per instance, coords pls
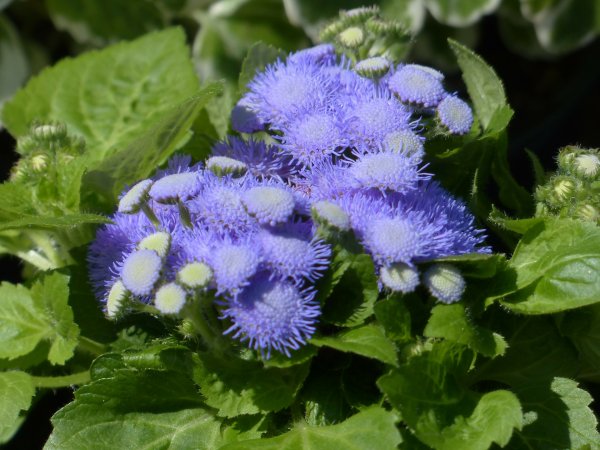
(373, 68)
(170, 298)
(566, 156)
(116, 301)
(331, 31)
(160, 242)
(358, 16)
(330, 214)
(587, 165)
(223, 165)
(39, 162)
(587, 211)
(195, 275)
(352, 37)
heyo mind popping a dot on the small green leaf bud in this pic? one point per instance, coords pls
(444, 282)
(351, 37)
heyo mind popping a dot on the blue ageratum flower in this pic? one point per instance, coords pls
(293, 252)
(322, 55)
(283, 89)
(418, 85)
(263, 160)
(315, 135)
(272, 314)
(455, 115)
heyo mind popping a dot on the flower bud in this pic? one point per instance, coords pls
(587, 165)
(352, 37)
(141, 271)
(587, 211)
(269, 205)
(444, 282)
(373, 68)
(116, 300)
(133, 200)
(195, 275)
(39, 162)
(400, 277)
(160, 242)
(331, 215)
(223, 165)
(170, 298)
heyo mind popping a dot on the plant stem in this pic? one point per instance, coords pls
(62, 381)
(90, 346)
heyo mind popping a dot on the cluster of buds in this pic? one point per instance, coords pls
(361, 33)
(574, 189)
(46, 145)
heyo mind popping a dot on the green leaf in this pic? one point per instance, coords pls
(582, 327)
(49, 222)
(458, 13)
(99, 23)
(557, 416)
(259, 56)
(451, 322)
(539, 174)
(395, 318)
(149, 409)
(558, 267)
(51, 296)
(367, 340)
(442, 413)
(325, 403)
(43, 313)
(371, 429)
(16, 392)
(140, 158)
(14, 65)
(484, 86)
(520, 226)
(536, 350)
(477, 265)
(110, 97)
(233, 386)
(355, 291)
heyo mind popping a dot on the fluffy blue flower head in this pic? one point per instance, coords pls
(322, 54)
(174, 187)
(374, 117)
(291, 253)
(273, 314)
(314, 136)
(405, 142)
(233, 265)
(412, 84)
(263, 161)
(455, 115)
(244, 119)
(282, 89)
(141, 271)
(385, 171)
(392, 240)
(270, 205)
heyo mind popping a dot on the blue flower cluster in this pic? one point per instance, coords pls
(352, 132)
(346, 151)
(244, 238)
